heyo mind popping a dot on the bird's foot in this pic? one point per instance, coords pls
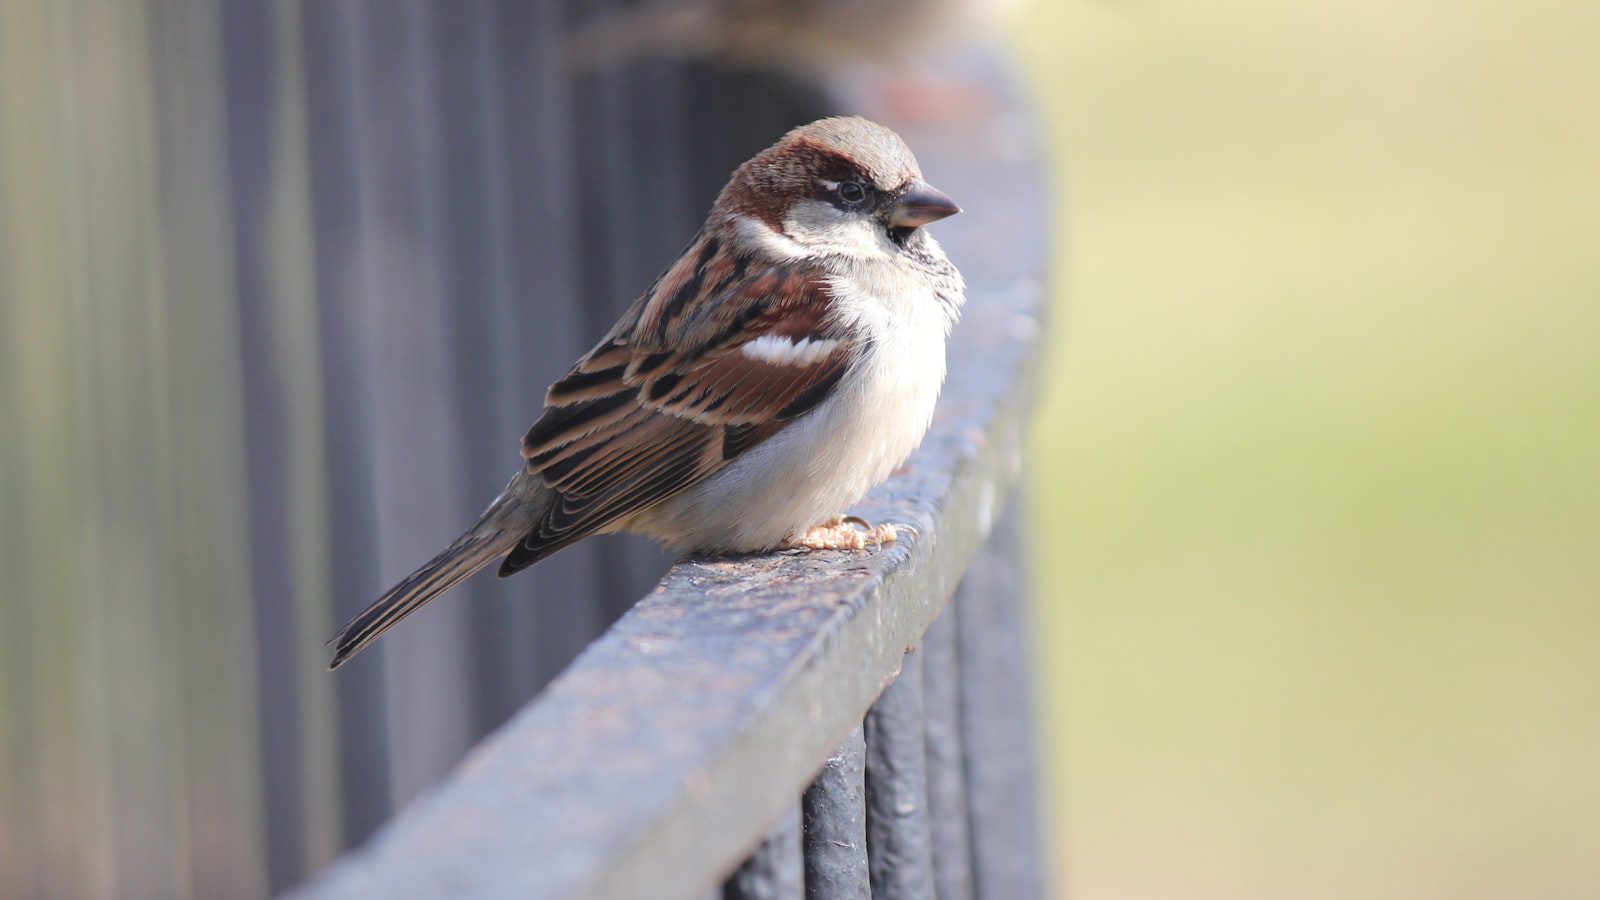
(845, 533)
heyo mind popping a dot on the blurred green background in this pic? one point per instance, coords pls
(1318, 472)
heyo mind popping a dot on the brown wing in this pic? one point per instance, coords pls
(676, 392)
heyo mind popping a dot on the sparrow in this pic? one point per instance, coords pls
(785, 364)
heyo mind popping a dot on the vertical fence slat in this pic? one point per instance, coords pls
(274, 261)
(996, 716)
(835, 808)
(282, 383)
(250, 52)
(775, 870)
(543, 329)
(137, 616)
(54, 724)
(476, 286)
(947, 788)
(352, 534)
(16, 840)
(203, 421)
(898, 835)
(395, 281)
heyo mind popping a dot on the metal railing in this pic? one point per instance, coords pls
(815, 724)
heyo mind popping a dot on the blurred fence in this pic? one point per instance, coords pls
(282, 285)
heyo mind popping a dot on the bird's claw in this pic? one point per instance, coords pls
(848, 533)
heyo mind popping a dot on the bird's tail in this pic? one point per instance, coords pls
(507, 520)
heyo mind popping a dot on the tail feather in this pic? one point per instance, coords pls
(501, 527)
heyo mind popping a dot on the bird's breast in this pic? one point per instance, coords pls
(826, 460)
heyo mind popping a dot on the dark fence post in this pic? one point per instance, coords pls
(947, 780)
(899, 840)
(836, 825)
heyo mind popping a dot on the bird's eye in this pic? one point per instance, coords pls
(852, 193)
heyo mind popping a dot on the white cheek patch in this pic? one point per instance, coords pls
(781, 351)
(827, 229)
(759, 233)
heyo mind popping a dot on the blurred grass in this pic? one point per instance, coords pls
(1318, 471)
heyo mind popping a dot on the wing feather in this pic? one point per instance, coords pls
(670, 396)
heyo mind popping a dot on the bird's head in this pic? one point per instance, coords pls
(836, 187)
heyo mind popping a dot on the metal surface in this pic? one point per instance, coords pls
(835, 807)
(947, 783)
(652, 766)
(899, 839)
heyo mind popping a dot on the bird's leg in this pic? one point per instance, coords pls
(845, 533)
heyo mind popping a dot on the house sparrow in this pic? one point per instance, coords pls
(784, 365)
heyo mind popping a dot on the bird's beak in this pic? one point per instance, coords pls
(922, 204)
